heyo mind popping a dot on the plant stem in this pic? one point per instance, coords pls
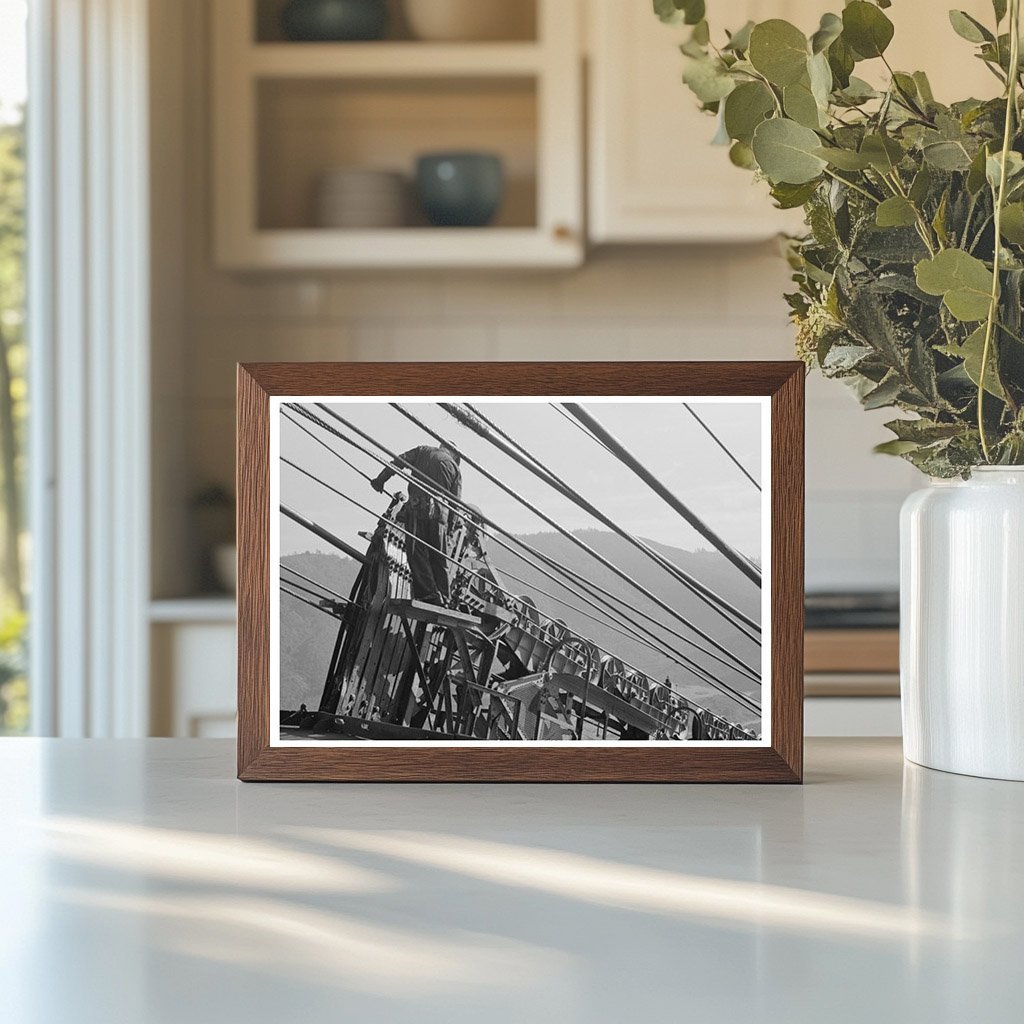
(993, 309)
(923, 228)
(849, 184)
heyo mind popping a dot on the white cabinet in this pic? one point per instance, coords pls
(285, 114)
(653, 175)
(192, 680)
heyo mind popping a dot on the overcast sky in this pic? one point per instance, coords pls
(663, 435)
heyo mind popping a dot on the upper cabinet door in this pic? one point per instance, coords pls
(654, 175)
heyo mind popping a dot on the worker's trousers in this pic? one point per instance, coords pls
(429, 568)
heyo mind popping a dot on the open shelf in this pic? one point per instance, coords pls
(288, 113)
(520, 17)
(393, 60)
(306, 128)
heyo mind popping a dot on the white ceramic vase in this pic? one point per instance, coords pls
(962, 624)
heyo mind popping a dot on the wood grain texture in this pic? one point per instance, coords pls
(781, 762)
(852, 650)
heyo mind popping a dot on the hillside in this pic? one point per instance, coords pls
(307, 636)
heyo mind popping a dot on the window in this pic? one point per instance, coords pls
(14, 548)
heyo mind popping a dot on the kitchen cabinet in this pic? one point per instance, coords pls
(287, 113)
(192, 649)
(653, 175)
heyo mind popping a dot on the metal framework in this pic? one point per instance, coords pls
(493, 666)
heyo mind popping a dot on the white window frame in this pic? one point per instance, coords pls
(89, 330)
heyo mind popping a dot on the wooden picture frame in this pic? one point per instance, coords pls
(778, 759)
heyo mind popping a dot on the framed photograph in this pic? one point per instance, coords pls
(519, 572)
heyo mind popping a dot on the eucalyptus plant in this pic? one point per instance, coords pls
(910, 278)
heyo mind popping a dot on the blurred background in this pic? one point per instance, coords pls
(246, 180)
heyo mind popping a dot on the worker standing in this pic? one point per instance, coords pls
(427, 518)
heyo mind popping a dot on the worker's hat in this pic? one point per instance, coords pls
(451, 446)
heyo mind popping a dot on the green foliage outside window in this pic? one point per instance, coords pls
(13, 413)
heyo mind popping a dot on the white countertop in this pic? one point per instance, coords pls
(143, 885)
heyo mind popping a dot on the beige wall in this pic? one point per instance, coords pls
(664, 303)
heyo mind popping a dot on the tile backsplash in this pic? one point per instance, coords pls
(717, 302)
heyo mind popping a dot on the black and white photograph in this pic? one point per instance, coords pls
(520, 570)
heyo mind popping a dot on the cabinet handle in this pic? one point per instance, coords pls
(563, 232)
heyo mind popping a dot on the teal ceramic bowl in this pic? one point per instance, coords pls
(334, 21)
(462, 190)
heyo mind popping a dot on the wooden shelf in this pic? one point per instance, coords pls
(861, 651)
(393, 60)
(205, 608)
(311, 248)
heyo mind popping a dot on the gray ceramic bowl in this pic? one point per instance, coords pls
(461, 190)
(334, 20)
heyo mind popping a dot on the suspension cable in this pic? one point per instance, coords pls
(739, 697)
(744, 670)
(610, 608)
(629, 459)
(312, 604)
(315, 583)
(714, 437)
(579, 543)
(718, 604)
(548, 477)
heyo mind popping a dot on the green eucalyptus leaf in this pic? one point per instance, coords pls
(708, 80)
(739, 41)
(972, 352)
(789, 197)
(785, 152)
(896, 212)
(858, 91)
(939, 220)
(819, 75)
(866, 29)
(963, 281)
(830, 29)
(969, 28)
(800, 105)
(999, 7)
(676, 12)
(921, 185)
(882, 152)
(896, 447)
(994, 169)
(842, 62)
(779, 51)
(701, 33)
(923, 431)
(745, 108)
(976, 172)
(947, 156)
(884, 395)
(844, 159)
(924, 87)
(1012, 225)
(906, 88)
(741, 155)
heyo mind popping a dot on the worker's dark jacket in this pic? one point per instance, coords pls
(438, 467)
